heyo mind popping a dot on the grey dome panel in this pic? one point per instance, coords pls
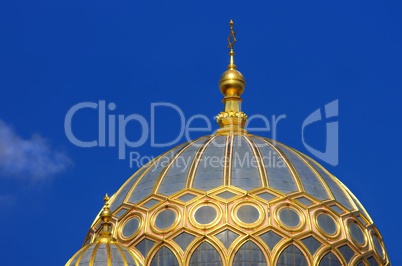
(336, 190)
(279, 176)
(164, 257)
(205, 255)
(255, 162)
(146, 184)
(105, 254)
(249, 254)
(123, 192)
(209, 174)
(176, 177)
(245, 173)
(311, 183)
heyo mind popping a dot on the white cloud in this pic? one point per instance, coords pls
(32, 158)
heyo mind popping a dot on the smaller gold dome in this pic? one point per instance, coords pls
(104, 254)
(105, 251)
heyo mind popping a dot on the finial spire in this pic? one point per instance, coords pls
(105, 235)
(106, 199)
(231, 42)
(232, 36)
(232, 85)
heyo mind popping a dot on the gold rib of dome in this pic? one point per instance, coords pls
(234, 198)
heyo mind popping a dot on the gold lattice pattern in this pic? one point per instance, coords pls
(228, 218)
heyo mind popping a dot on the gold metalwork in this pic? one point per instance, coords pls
(374, 233)
(105, 240)
(363, 230)
(196, 207)
(261, 213)
(232, 36)
(232, 85)
(333, 217)
(226, 213)
(202, 233)
(105, 236)
(227, 164)
(123, 223)
(176, 221)
(232, 122)
(278, 220)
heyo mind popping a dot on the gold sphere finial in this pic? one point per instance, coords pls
(106, 215)
(232, 81)
(105, 235)
(232, 85)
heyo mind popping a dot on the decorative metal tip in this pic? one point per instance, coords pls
(106, 198)
(232, 84)
(232, 36)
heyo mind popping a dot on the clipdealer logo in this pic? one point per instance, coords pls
(112, 129)
(331, 153)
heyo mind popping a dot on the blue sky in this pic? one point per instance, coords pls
(296, 57)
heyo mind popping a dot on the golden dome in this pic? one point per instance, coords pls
(234, 198)
(236, 194)
(104, 254)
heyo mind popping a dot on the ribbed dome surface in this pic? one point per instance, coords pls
(104, 254)
(245, 162)
(240, 199)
